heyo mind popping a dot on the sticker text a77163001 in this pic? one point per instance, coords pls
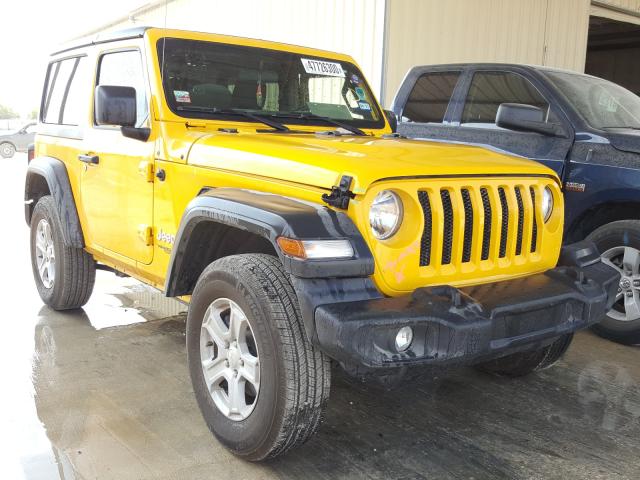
(322, 67)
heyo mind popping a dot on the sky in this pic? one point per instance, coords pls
(31, 30)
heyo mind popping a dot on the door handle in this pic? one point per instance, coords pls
(92, 159)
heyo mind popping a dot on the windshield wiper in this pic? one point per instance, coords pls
(621, 128)
(233, 111)
(312, 116)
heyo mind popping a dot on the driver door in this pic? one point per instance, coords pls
(116, 179)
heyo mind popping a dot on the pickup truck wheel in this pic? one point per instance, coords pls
(64, 275)
(260, 384)
(7, 150)
(619, 244)
(524, 363)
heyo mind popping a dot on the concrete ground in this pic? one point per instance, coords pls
(104, 393)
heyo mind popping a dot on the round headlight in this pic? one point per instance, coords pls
(547, 203)
(385, 214)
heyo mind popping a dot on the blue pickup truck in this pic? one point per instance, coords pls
(585, 128)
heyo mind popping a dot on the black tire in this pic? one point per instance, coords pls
(294, 375)
(624, 233)
(7, 149)
(75, 269)
(524, 363)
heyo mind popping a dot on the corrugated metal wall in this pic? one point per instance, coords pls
(620, 10)
(547, 32)
(355, 27)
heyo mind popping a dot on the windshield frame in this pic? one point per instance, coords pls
(380, 124)
(556, 77)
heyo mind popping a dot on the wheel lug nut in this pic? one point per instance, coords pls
(636, 283)
(629, 294)
(235, 373)
(226, 363)
(209, 343)
(242, 363)
(226, 345)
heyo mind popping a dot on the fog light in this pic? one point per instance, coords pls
(404, 337)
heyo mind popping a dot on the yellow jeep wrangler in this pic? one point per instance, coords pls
(262, 184)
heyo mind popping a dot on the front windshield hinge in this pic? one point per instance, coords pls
(340, 195)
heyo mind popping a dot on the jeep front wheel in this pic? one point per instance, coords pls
(260, 384)
(524, 363)
(64, 275)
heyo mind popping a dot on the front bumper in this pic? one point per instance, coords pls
(469, 325)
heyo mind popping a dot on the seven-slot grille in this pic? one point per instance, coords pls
(475, 224)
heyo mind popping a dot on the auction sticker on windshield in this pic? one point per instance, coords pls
(320, 67)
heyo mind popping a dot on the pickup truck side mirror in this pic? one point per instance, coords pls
(524, 118)
(392, 119)
(115, 105)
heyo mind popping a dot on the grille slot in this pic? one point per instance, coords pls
(504, 231)
(448, 226)
(486, 234)
(534, 228)
(425, 242)
(520, 221)
(468, 225)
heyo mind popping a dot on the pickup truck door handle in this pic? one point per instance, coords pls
(92, 159)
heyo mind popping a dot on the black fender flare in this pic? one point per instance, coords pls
(271, 216)
(54, 173)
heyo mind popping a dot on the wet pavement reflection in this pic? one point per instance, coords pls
(104, 393)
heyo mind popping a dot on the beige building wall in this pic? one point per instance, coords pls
(541, 32)
(620, 10)
(355, 27)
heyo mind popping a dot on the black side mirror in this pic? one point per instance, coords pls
(524, 118)
(115, 105)
(392, 119)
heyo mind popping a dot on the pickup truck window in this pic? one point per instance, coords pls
(208, 79)
(125, 69)
(490, 89)
(603, 104)
(429, 99)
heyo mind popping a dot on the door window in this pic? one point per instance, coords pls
(429, 99)
(124, 69)
(490, 89)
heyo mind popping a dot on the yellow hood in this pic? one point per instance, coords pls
(320, 161)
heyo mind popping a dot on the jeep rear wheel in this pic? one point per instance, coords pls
(260, 384)
(64, 275)
(524, 363)
(619, 245)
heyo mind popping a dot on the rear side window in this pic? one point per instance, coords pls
(125, 69)
(58, 81)
(490, 89)
(429, 99)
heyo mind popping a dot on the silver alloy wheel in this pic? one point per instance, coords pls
(230, 360)
(627, 261)
(8, 150)
(45, 254)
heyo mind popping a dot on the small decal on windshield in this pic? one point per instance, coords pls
(319, 67)
(360, 93)
(364, 106)
(182, 96)
(355, 79)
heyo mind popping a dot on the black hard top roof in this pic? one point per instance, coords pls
(104, 37)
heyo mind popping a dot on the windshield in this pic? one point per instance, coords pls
(603, 104)
(207, 79)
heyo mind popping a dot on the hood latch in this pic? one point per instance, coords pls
(340, 195)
